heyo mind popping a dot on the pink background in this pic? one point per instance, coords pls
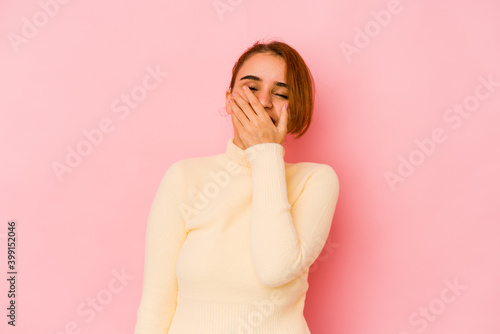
(393, 250)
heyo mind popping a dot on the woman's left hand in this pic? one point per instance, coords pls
(253, 124)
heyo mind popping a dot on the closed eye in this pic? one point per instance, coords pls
(280, 95)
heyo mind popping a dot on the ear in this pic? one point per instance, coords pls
(228, 96)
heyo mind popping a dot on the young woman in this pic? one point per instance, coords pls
(230, 237)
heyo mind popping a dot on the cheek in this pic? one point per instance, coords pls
(279, 104)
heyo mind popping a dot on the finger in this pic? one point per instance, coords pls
(283, 120)
(245, 107)
(254, 102)
(240, 115)
(237, 124)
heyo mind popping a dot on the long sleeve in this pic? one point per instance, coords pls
(165, 234)
(286, 239)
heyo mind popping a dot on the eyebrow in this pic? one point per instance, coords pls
(253, 77)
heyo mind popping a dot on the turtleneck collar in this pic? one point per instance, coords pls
(237, 155)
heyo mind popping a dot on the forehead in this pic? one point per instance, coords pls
(268, 67)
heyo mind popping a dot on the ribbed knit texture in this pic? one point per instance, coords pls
(229, 242)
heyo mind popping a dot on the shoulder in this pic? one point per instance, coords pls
(313, 170)
(316, 177)
(312, 180)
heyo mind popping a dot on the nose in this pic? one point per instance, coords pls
(265, 99)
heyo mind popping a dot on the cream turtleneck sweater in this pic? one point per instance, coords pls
(229, 242)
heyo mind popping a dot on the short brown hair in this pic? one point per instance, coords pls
(299, 81)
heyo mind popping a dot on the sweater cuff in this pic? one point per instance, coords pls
(268, 173)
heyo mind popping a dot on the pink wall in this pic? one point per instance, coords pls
(405, 115)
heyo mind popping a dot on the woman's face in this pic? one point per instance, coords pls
(264, 74)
